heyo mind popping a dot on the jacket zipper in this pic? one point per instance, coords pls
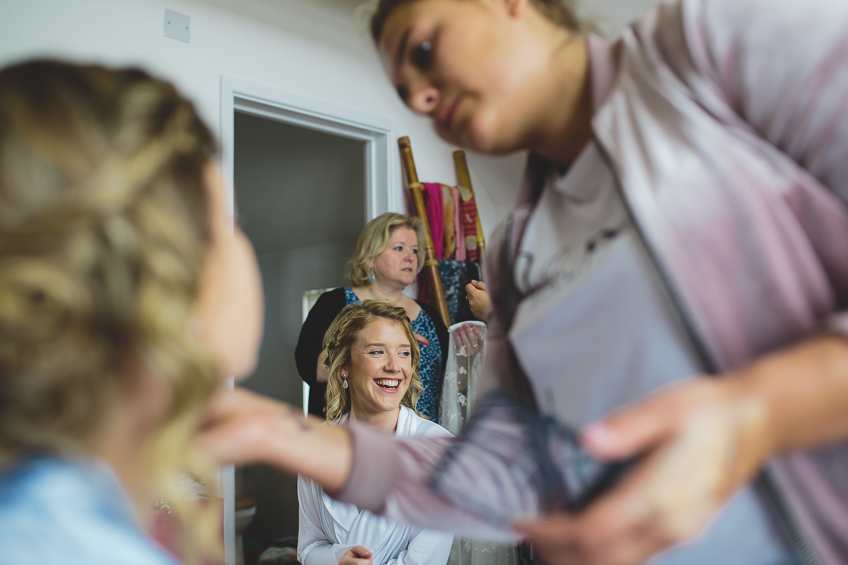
(765, 482)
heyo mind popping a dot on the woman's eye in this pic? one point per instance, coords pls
(405, 353)
(422, 55)
(376, 352)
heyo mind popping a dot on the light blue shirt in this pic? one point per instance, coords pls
(59, 511)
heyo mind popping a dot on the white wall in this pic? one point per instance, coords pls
(312, 48)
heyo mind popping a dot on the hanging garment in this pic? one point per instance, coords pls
(459, 392)
(450, 221)
(468, 219)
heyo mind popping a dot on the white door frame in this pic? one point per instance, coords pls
(383, 190)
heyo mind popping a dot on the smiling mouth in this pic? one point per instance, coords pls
(389, 385)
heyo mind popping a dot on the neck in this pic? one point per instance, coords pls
(382, 291)
(119, 447)
(564, 133)
(384, 421)
(130, 425)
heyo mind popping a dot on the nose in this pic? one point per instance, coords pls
(423, 97)
(392, 365)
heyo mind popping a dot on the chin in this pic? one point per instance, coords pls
(482, 135)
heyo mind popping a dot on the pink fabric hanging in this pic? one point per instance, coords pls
(435, 215)
(460, 254)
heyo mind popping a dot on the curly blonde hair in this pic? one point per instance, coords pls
(339, 340)
(374, 239)
(103, 232)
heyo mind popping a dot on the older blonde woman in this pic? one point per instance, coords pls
(125, 298)
(372, 362)
(389, 254)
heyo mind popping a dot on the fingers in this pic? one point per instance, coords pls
(612, 519)
(621, 528)
(688, 446)
(360, 551)
(470, 338)
(555, 549)
(627, 432)
(421, 339)
(478, 298)
(238, 424)
(358, 555)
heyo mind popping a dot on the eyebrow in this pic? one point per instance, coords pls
(402, 46)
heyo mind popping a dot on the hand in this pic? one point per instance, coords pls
(478, 299)
(356, 556)
(421, 339)
(241, 427)
(238, 423)
(699, 442)
(470, 338)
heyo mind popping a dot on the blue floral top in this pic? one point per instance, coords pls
(430, 365)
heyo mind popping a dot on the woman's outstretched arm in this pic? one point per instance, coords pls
(242, 428)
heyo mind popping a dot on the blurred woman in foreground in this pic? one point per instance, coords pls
(125, 299)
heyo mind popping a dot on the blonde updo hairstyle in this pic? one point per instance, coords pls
(103, 233)
(374, 239)
(563, 13)
(339, 340)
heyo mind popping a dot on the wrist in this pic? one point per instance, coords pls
(799, 395)
(753, 415)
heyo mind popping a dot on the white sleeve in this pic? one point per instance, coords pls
(313, 545)
(427, 547)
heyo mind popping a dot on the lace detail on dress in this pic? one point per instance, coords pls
(459, 391)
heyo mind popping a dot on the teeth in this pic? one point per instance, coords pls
(388, 383)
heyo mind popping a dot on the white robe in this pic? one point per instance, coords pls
(328, 528)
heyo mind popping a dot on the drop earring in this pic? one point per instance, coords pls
(372, 275)
(344, 383)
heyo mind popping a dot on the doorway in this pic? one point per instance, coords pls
(306, 178)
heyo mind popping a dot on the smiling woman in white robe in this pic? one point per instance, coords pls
(372, 359)
(329, 529)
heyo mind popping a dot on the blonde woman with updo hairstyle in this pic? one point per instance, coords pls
(682, 215)
(125, 299)
(372, 359)
(389, 254)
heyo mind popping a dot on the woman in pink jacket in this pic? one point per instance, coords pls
(671, 283)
